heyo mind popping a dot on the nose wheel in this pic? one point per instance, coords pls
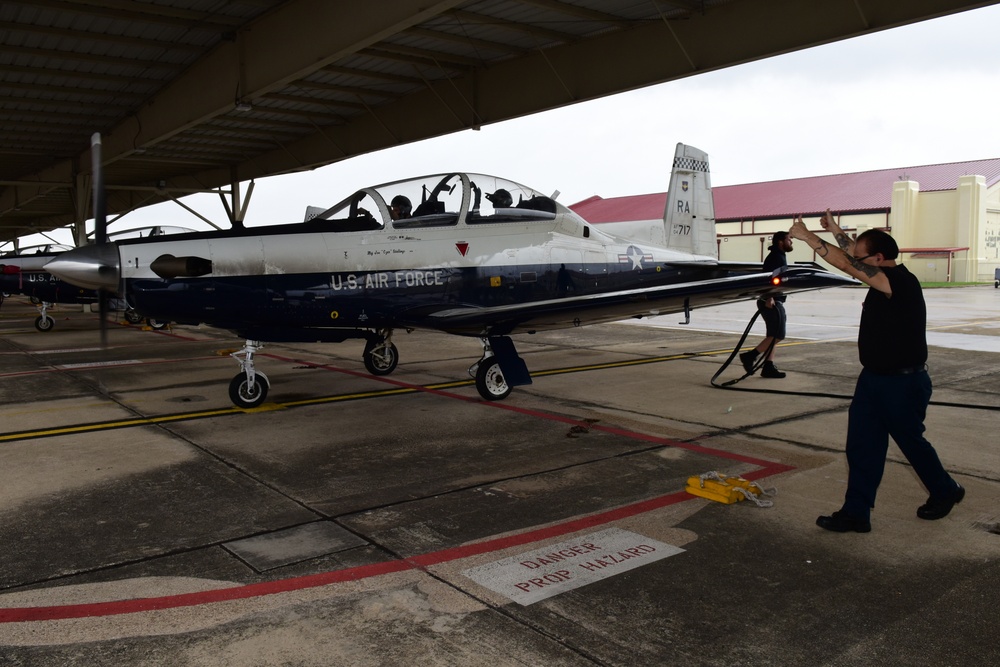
(43, 322)
(243, 394)
(248, 388)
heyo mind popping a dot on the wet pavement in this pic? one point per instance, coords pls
(354, 520)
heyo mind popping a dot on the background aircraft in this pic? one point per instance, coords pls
(464, 254)
(22, 272)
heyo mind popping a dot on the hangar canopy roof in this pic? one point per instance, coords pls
(860, 192)
(191, 95)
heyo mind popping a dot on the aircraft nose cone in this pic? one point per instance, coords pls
(90, 267)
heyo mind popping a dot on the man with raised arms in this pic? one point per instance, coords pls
(894, 388)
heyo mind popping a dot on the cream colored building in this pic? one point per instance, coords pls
(945, 217)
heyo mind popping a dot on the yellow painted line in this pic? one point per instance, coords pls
(114, 424)
(339, 398)
(617, 364)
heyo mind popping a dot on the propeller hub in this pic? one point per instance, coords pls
(91, 267)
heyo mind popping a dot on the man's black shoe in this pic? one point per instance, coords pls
(771, 371)
(747, 359)
(840, 522)
(938, 508)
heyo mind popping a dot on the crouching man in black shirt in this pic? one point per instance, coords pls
(893, 390)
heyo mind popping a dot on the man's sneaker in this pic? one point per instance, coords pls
(771, 371)
(841, 522)
(747, 359)
(938, 508)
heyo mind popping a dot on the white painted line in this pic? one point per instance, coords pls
(68, 349)
(536, 575)
(95, 364)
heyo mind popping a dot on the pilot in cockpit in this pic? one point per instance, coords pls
(400, 208)
(500, 199)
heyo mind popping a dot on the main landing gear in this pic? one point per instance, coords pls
(248, 388)
(133, 317)
(380, 355)
(499, 370)
(489, 379)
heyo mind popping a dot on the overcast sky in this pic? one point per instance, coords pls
(922, 94)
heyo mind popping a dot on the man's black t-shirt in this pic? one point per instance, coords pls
(775, 259)
(893, 330)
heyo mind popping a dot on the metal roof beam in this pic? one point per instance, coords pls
(155, 65)
(533, 30)
(444, 35)
(580, 12)
(139, 11)
(120, 40)
(368, 74)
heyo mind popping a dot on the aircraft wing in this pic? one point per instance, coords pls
(572, 310)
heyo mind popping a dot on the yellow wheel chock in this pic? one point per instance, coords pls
(728, 490)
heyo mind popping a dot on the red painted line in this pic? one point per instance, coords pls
(418, 562)
(28, 614)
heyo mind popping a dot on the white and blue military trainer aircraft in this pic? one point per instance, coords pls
(23, 272)
(465, 254)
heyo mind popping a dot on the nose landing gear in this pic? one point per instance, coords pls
(248, 388)
(43, 322)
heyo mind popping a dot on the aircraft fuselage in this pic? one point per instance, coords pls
(281, 283)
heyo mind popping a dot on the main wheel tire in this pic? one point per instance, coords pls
(132, 317)
(490, 381)
(381, 360)
(44, 323)
(157, 324)
(240, 393)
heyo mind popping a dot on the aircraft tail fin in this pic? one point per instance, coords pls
(689, 217)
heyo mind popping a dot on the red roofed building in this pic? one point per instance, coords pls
(945, 217)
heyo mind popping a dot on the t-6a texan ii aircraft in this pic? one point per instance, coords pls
(464, 254)
(23, 272)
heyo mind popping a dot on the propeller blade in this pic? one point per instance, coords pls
(100, 206)
(100, 226)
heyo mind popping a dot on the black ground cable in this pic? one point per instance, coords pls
(757, 363)
(760, 362)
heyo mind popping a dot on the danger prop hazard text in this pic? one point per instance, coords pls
(542, 573)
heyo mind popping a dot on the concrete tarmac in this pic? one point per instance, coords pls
(402, 520)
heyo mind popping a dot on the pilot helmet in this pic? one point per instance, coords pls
(403, 204)
(500, 199)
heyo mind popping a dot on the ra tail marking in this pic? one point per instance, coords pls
(689, 216)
